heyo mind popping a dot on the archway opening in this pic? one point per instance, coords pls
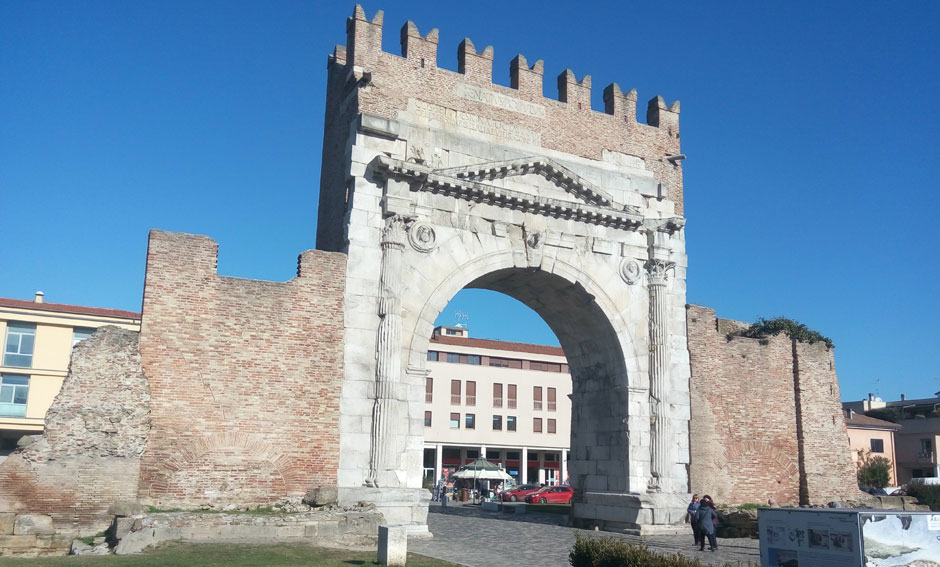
(505, 394)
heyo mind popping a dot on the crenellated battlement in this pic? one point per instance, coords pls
(430, 111)
(364, 49)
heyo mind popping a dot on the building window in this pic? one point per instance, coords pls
(452, 332)
(551, 457)
(455, 421)
(537, 425)
(510, 423)
(79, 334)
(536, 397)
(427, 419)
(470, 421)
(926, 448)
(551, 399)
(14, 389)
(473, 359)
(453, 357)
(473, 453)
(877, 446)
(19, 345)
(455, 392)
(497, 395)
(511, 401)
(471, 399)
(497, 423)
(428, 390)
(492, 455)
(432, 355)
(551, 426)
(512, 455)
(505, 362)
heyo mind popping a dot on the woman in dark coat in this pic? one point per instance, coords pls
(705, 518)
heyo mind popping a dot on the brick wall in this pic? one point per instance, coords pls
(829, 468)
(751, 406)
(245, 377)
(96, 429)
(364, 79)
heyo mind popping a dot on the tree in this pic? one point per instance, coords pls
(873, 471)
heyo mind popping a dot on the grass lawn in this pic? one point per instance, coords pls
(228, 555)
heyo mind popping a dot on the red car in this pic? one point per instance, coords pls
(519, 492)
(551, 495)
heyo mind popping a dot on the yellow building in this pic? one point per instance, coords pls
(37, 344)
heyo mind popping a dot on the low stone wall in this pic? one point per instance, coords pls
(355, 528)
(31, 534)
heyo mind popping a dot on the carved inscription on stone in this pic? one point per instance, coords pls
(427, 112)
(498, 100)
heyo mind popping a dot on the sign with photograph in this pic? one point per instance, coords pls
(800, 537)
(894, 538)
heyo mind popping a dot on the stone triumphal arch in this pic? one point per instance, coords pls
(435, 180)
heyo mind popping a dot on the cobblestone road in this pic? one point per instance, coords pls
(469, 536)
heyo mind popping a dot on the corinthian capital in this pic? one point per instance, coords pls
(394, 234)
(657, 270)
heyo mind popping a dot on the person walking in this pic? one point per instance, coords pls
(692, 510)
(706, 518)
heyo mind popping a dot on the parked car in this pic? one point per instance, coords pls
(551, 495)
(519, 492)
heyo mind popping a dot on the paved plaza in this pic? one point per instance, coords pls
(472, 537)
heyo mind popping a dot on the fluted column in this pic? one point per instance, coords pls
(388, 346)
(659, 370)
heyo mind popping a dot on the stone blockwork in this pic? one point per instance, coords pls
(245, 377)
(89, 455)
(363, 79)
(766, 419)
(434, 181)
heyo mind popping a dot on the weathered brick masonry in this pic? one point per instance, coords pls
(364, 79)
(766, 419)
(245, 377)
(89, 455)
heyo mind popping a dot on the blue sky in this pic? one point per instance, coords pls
(811, 130)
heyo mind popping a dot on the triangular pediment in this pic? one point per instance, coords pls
(539, 175)
(533, 185)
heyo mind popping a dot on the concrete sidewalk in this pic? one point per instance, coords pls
(469, 536)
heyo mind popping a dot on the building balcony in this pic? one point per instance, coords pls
(497, 402)
(455, 399)
(537, 405)
(471, 400)
(511, 404)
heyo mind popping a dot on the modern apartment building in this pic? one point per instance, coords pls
(38, 338)
(505, 401)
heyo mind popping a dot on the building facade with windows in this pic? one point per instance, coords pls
(508, 402)
(869, 436)
(917, 436)
(37, 344)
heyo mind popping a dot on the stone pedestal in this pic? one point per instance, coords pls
(407, 507)
(632, 513)
(393, 545)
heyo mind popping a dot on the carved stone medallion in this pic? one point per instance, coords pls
(422, 237)
(629, 271)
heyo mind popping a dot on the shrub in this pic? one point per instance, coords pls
(926, 494)
(765, 328)
(873, 471)
(612, 552)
